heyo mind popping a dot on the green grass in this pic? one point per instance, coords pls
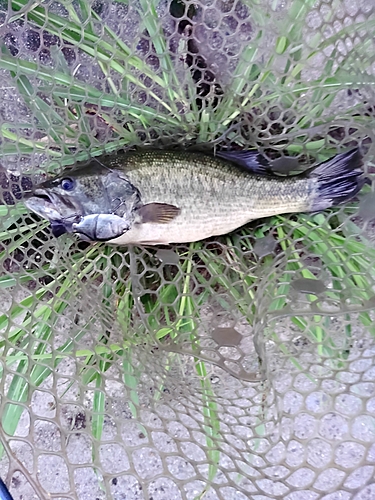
(59, 103)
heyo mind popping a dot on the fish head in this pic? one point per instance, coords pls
(88, 189)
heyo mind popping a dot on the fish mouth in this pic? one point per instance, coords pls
(42, 195)
(60, 212)
(39, 193)
(46, 204)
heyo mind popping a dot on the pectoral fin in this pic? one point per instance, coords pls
(158, 213)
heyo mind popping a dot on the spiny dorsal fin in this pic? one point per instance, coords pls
(158, 213)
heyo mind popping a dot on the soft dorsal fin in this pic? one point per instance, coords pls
(250, 160)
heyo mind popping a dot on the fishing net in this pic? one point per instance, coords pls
(238, 367)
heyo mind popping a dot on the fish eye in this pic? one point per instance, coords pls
(67, 184)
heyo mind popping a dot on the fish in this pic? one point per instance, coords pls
(100, 227)
(158, 197)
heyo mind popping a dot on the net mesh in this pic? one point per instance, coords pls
(239, 367)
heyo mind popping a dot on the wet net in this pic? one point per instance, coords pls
(239, 367)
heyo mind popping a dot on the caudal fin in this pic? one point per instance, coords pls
(339, 179)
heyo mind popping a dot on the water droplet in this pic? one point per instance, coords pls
(309, 285)
(265, 246)
(167, 256)
(228, 337)
(367, 207)
(286, 165)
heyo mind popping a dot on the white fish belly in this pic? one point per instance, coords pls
(204, 216)
(179, 231)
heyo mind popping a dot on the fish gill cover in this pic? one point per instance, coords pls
(241, 366)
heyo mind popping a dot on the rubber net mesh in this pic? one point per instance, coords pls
(239, 367)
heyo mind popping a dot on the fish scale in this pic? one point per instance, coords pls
(214, 196)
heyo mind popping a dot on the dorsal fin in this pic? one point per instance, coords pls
(250, 160)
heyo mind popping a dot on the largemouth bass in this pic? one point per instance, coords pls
(162, 197)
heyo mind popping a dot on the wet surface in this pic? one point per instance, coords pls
(167, 256)
(265, 246)
(367, 207)
(286, 165)
(308, 285)
(227, 337)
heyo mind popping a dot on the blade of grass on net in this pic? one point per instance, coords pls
(20, 384)
(45, 114)
(143, 113)
(23, 145)
(70, 159)
(358, 273)
(353, 28)
(151, 22)
(132, 377)
(80, 119)
(315, 332)
(73, 89)
(209, 406)
(332, 83)
(105, 53)
(346, 259)
(98, 410)
(248, 69)
(35, 328)
(125, 307)
(244, 298)
(86, 40)
(292, 26)
(97, 422)
(211, 421)
(245, 301)
(187, 322)
(291, 39)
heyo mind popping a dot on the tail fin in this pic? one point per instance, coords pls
(338, 179)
